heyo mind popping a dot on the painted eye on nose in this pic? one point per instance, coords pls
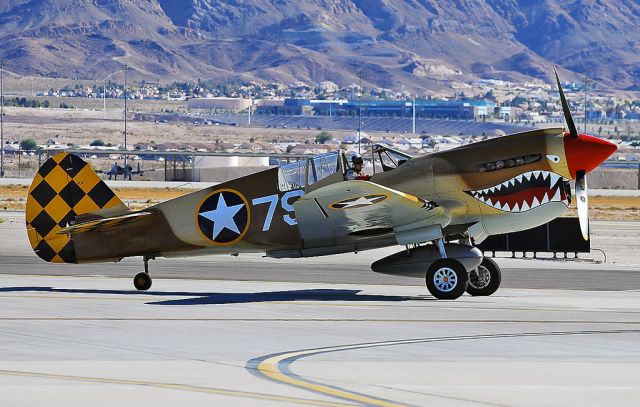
(553, 158)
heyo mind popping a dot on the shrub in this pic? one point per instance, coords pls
(28, 144)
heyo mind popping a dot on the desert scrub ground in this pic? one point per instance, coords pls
(14, 197)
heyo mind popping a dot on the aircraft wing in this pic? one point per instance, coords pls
(349, 209)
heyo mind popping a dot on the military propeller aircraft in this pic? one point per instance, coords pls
(126, 171)
(437, 205)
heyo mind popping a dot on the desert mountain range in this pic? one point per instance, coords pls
(419, 44)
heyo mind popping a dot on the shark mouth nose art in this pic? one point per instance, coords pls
(524, 192)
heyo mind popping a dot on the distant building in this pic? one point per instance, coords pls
(288, 107)
(218, 103)
(455, 109)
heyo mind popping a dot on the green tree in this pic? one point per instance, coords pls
(323, 137)
(28, 144)
(490, 96)
(97, 143)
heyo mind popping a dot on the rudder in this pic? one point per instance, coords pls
(64, 187)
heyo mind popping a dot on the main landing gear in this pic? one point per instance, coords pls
(142, 281)
(485, 279)
(447, 278)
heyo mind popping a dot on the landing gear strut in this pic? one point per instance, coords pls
(446, 278)
(142, 281)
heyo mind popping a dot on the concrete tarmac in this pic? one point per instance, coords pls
(326, 331)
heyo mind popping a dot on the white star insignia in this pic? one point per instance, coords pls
(362, 201)
(222, 217)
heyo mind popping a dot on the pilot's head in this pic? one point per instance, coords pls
(357, 162)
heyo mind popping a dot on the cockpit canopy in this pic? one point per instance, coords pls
(323, 169)
(309, 171)
(387, 158)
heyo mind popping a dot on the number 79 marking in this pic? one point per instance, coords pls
(272, 200)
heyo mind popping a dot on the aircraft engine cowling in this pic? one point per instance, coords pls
(416, 261)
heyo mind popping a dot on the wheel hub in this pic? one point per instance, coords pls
(445, 279)
(480, 277)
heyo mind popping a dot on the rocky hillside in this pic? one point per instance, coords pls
(416, 43)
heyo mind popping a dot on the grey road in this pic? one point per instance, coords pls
(619, 240)
(529, 274)
(322, 332)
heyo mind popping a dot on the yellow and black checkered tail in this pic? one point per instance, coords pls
(64, 188)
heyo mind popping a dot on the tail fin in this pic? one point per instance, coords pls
(64, 188)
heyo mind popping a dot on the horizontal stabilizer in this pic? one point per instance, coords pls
(105, 224)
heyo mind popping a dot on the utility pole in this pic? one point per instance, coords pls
(1, 119)
(124, 68)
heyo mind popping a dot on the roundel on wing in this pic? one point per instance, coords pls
(223, 217)
(359, 201)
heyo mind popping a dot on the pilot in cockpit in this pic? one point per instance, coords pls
(355, 172)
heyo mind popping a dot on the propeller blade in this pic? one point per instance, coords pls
(565, 108)
(582, 200)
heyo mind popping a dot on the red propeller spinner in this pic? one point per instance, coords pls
(585, 153)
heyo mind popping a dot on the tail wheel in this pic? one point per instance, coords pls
(447, 279)
(485, 279)
(142, 281)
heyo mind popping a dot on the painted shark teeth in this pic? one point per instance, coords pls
(545, 199)
(523, 192)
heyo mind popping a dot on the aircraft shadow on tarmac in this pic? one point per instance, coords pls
(199, 298)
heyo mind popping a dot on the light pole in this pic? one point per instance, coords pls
(1, 119)
(250, 104)
(414, 115)
(586, 88)
(360, 106)
(104, 100)
(104, 103)
(125, 68)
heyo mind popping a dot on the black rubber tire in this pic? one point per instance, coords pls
(142, 281)
(495, 278)
(451, 266)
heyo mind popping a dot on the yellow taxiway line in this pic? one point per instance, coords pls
(272, 368)
(276, 367)
(175, 386)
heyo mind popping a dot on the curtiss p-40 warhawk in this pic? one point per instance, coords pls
(436, 205)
